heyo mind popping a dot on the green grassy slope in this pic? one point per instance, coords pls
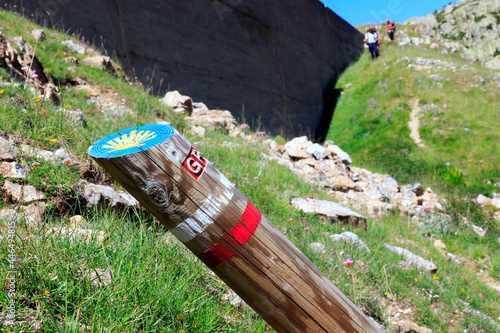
(158, 286)
(463, 129)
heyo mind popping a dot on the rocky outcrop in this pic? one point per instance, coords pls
(354, 187)
(273, 64)
(470, 26)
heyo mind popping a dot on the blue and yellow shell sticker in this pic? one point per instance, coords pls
(131, 141)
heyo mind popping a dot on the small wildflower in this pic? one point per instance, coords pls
(24, 68)
(386, 293)
(343, 229)
(9, 323)
(34, 75)
(348, 262)
(47, 293)
(181, 318)
(288, 202)
(306, 229)
(25, 239)
(35, 165)
(37, 325)
(115, 113)
(416, 280)
(463, 289)
(53, 140)
(32, 15)
(341, 253)
(255, 178)
(1, 91)
(290, 219)
(67, 161)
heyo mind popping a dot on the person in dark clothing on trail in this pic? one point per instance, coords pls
(371, 40)
(377, 38)
(391, 29)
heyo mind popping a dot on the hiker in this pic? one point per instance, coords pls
(377, 37)
(391, 28)
(371, 40)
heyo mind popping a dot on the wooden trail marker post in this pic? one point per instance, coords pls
(191, 198)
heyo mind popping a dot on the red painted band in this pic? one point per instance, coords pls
(239, 236)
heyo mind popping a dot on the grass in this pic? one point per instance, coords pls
(159, 286)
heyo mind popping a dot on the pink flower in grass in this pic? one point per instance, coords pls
(306, 229)
(348, 262)
(290, 219)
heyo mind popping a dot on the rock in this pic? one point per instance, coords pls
(101, 194)
(61, 153)
(70, 60)
(179, 103)
(438, 244)
(21, 193)
(413, 259)
(38, 34)
(407, 326)
(78, 48)
(77, 221)
(417, 189)
(99, 62)
(404, 42)
(198, 131)
(350, 237)
(234, 299)
(493, 63)
(330, 209)
(342, 155)
(478, 230)
(496, 202)
(9, 215)
(296, 152)
(435, 77)
(33, 214)
(7, 151)
(342, 183)
(12, 170)
(38, 153)
(212, 119)
(317, 248)
(297, 142)
(317, 151)
(86, 236)
(99, 277)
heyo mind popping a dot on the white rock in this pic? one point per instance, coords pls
(439, 244)
(496, 202)
(100, 194)
(78, 48)
(38, 153)
(86, 236)
(478, 230)
(301, 141)
(7, 151)
(317, 150)
(179, 103)
(413, 259)
(198, 130)
(329, 209)
(344, 157)
(77, 221)
(61, 153)
(22, 193)
(350, 237)
(99, 62)
(12, 170)
(317, 248)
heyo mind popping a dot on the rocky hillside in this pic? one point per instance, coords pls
(470, 27)
(79, 254)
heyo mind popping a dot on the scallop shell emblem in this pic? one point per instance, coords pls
(130, 140)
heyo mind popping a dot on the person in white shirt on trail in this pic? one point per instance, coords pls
(371, 40)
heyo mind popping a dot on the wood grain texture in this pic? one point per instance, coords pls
(190, 197)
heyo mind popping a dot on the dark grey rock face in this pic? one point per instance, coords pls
(270, 62)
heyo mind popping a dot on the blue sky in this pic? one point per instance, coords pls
(375, 11)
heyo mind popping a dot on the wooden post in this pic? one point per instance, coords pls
(201, 207)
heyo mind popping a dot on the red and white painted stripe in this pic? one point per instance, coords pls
(204, 216)
(236, 238)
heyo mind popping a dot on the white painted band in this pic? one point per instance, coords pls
(203, 216)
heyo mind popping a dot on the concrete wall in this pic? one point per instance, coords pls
(269, 61)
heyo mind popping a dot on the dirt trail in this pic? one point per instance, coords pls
(414, 123)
